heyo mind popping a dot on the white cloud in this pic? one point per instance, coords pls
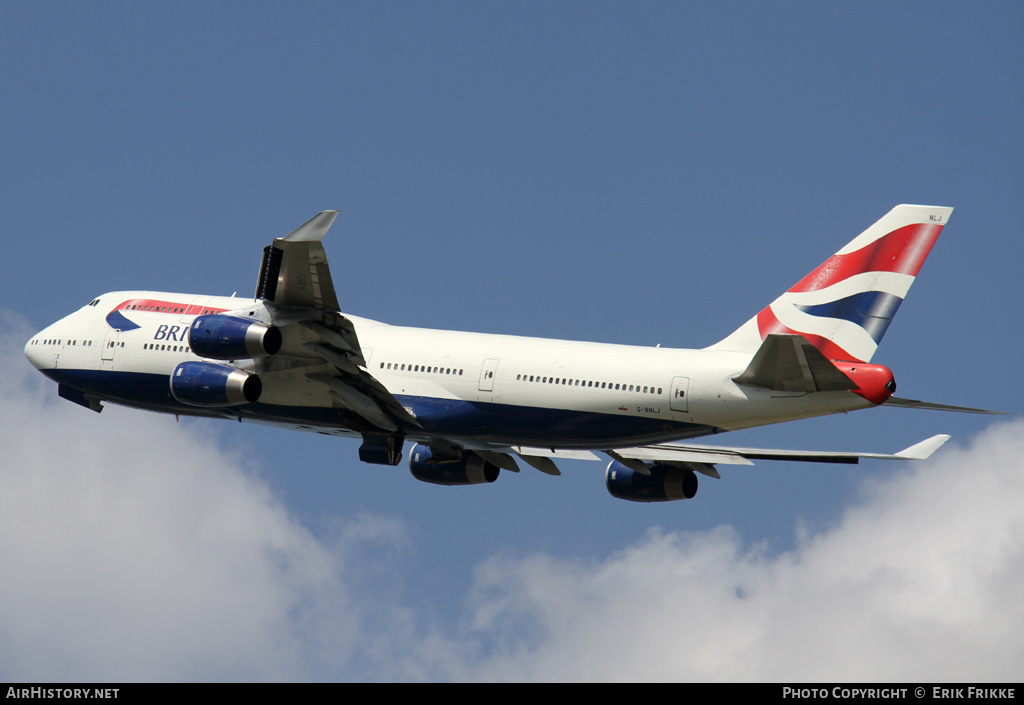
(921, 581)
(133, 548)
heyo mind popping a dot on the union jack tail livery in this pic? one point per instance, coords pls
(844, 306)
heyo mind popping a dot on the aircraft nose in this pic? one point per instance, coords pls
(38, 352)
(32, 352)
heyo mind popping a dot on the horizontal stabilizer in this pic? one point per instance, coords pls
(915, 404)
(789, 363)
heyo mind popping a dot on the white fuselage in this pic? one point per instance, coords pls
(481, 389)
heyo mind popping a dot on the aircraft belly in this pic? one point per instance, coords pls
(544, 427)
(442, 418)
(135, 389)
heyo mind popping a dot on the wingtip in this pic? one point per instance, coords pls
(313, 229)
(924, 449)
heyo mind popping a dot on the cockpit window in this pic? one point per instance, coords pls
(94, 302)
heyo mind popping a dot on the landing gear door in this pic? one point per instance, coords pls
(680, 391)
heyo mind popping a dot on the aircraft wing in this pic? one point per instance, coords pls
(703, 458)
(673, 452)
(296, 286)
(294, 271)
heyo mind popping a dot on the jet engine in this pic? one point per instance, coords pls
(229, 338)
(664, 484)
(207, 384)
(470, 469)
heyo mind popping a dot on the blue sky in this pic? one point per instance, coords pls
(647, 173)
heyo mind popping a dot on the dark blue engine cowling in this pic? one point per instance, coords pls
(229, 338)
(207, 384)
(664, 484)
(471, 469)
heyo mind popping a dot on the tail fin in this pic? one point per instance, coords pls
(845, 305)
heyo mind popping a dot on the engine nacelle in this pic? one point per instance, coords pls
(664, 484)
(471, 469)
(207, 384)
(229, 338)
(874, 382)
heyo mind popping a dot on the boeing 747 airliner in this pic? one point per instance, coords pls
(474, 404)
